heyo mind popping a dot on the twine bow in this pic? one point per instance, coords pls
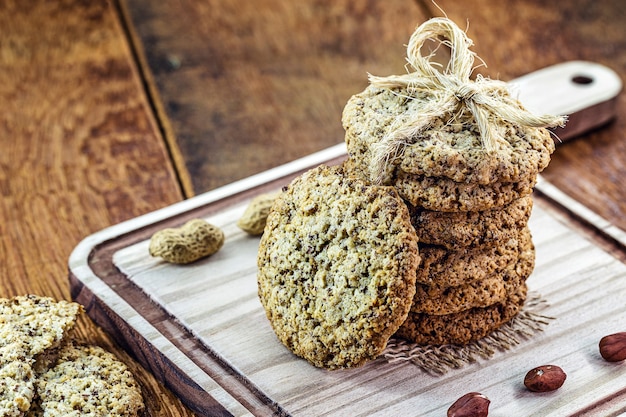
(449, 88)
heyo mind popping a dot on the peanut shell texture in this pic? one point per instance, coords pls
(195, 240)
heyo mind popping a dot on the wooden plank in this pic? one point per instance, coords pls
(206, 322)
(263, 82)
(80, 151)
(195, 48)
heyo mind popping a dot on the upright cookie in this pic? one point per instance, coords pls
(88, 381)
(337, 264)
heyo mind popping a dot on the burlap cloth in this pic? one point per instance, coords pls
(437, 360)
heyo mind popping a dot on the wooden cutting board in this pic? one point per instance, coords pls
(202, 331)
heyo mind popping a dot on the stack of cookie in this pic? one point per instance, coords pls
(423, 230)
(469, 207)
(466, 291)
(464, 156)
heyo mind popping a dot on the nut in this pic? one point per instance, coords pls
(255, 216)
(613, 347)
(473, 404)
(544, 378)
(194, 240)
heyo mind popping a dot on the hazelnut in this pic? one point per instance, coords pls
(544, 378)
(473, 404)
(613, 347)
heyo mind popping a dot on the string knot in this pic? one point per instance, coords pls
(466, 92)
(448, 88)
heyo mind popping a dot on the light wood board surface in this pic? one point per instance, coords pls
(202, 329)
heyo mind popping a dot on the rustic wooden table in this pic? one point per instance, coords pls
(114, 109)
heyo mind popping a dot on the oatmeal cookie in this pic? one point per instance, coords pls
(442, 194)
(463, 327)
(336, 267)
(442, 268)
(88, 381)
(41, 322)
(31, 329)
(471, 228)
(450, 147)
(491, 290)
(445, 195)
(17, 378)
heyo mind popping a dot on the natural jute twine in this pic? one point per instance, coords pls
(450, 88)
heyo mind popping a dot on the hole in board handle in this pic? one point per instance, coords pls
(582, 79)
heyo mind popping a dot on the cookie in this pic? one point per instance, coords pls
(442, 194)
(445, 195)
(88, 381)
(471, 228)
(463, 327)
(31, 328)
(451, 146)
(442, 268)
(16, 379)
(41, 322)
(336, 267)
(494, 289)
(462, 297)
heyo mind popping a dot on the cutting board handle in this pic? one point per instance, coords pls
(584, 91)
